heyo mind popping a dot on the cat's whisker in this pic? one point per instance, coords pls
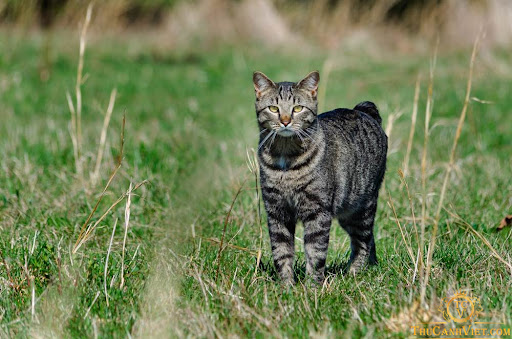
(310, 133)
(314, 141)
(312, 130)
(266, 138)
(297, 133)
(273, 138)
(314, 126)
(309, 130)
(262, 131)
(301, 134)
(306, 133)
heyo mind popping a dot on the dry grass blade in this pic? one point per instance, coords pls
(413, 125)
(79, 77)
(389, 128)
(452, 157)
(485, 102)
(85, 226)
(106, 262)
(428, 115)
(419, 259)
(72, 132)
(411, 205)
(235, 247)
(407, 245)
(203, 289)
(459, 126)
(126, 223)
(481, 237)
(391, 121)
(226, 226)
(121, 147)
(33, 298)
(92, 304)
(326, 71)
(103, 136)
(31, 284)
(86, 235)
(7, 269)
(254, 168)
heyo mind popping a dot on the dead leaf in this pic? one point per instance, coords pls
(507, 221)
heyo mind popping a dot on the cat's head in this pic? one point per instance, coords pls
(286, 107)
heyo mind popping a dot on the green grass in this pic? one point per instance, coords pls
(189, 122)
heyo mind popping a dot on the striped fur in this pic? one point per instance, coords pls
(316, 168)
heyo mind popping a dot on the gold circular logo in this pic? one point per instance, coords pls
(463, 308)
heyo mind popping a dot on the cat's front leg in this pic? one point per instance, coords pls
(281, 226)
(317, 225)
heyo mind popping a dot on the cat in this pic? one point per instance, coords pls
(315, 168)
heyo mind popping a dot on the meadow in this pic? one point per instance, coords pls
(187, 253)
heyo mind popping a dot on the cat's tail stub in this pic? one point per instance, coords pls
(369, 108)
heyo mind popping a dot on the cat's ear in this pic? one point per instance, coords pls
(261, 83)
(310, 83)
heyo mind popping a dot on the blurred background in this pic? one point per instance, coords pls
(165, 86)
(396, 23)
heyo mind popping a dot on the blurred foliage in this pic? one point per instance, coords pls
(50, 11)
(409, 14)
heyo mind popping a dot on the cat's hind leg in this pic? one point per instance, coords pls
(359, 226)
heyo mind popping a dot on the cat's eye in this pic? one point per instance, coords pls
(297, 109)
(273, 109)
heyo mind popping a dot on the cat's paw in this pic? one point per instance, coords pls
(357, 265)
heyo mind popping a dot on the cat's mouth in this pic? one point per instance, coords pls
(285, 132)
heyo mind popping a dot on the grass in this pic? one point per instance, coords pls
(189, 123)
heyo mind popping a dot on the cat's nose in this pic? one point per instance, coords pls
(286, 120)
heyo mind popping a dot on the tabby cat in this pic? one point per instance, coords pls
(317, 167)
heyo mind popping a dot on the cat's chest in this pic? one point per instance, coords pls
(282, 163)
(289, 175)
(290, 181)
